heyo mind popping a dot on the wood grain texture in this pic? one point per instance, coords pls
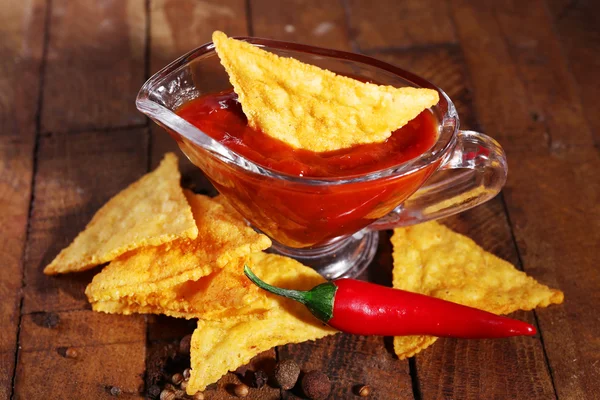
(552, 197)
(579, 34)
(399, 24)
(176, 27)
(22, 32)
(110, 353)
(526, 95)
(512, 368)
(77, 174)
(314, 22)
(554, 205)
(463, 369)
(95, 65)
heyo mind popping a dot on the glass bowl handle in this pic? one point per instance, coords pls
(474, 172)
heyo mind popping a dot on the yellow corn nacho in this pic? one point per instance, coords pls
(433, 260)
(222, 238)
(221, 346)
(149, 212)
(311, 108)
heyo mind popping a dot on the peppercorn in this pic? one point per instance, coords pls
(316, 385)
(71, 353)
(260, 379)
(177, 378)
(241, 390)
(364, 390)
(198, 396)
(286, 374)
(186, 373)
(115, 391)
(184, 344)
(167, 395)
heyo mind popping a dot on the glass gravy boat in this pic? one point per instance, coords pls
(329, 223)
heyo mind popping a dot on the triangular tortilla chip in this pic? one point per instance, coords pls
(312, 108)
(225, 293)
(221, 346)
(149, 212)
(433, 260)
(147, 272)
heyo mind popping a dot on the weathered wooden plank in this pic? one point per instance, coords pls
(552, 196)
(95, 65)
(350, 361)
(77, 174)
(483, 369)
(526, 94)
(177, 27)
(554, 204)
(89, 354)
(22, 30)
(399, 24)
(579, 34)
(314, 22)
(50, 330)
(98, 372)
(474, 369)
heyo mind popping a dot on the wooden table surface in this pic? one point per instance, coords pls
(524, 72)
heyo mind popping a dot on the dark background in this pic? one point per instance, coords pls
(524, 72)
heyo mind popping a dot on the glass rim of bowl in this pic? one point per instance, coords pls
(440, 150)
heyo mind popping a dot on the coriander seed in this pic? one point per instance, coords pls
(198, 396)
(177, 378)
(364, 390)
(71, 353)
(167, 395)
(183, 385)
(241, 390)
(186, 373)
(184, 344)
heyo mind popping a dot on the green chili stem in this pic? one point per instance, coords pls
(297, 295)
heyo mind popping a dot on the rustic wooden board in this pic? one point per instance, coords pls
(466, 366)
(313, 22)
(95, 65)
(22, 31)
(402, 24)
(76, 175)
(554, 204)
(577, 25)
(110, 351)
(552, 198)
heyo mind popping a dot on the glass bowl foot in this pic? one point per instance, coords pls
(345, 258)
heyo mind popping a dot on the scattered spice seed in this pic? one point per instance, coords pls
(177, 378)
(364, 391)
(184, 344)
(316, 385)
(71, 353)
(241, 390)
(198, 396)
(186, 373)
(115, 391)
(183, 385)
(260, 379)
(286, 374)
(167, 395)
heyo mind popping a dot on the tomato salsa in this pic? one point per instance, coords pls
(220, 116)
(300, 214)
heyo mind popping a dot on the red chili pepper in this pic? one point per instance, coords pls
(364, 308)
